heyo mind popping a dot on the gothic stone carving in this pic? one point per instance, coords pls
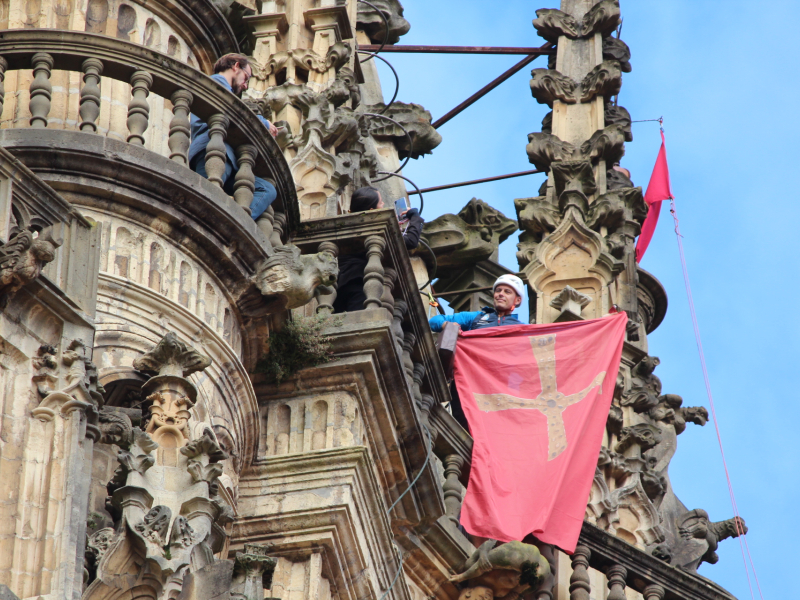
(416, 121)
(252, 572)
(469, 237)
(549, 85)
(288, 279)
(602, 18)
(700, 537)
(616, 49)
(172, 357)
(507, 571)
(570, 302)
(22, 259)
(374, 26)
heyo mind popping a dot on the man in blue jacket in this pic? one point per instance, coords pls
(233, 72)
(508, 291)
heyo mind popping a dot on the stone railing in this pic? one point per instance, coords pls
(625, 565)
(190, 92)
(389, 284)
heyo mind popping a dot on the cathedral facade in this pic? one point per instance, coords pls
(167, 430)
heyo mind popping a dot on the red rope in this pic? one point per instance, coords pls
(742, 536)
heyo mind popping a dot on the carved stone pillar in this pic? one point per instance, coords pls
(180, 127)
(399, 313)
(616, 575)
(216, 154)
(251, 569)
(453, 463)
(138, 108)
(90, 94)
(579, 583)
(326, 301)
(41, 89)
(373, 272)
(387, 300)
(244, 182)
(654, 592)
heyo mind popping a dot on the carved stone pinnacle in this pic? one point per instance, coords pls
(172, 357)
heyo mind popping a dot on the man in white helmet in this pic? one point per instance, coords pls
(508, 291)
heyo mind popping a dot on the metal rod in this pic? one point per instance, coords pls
(457, 49)
(474, 181)
(488, 88)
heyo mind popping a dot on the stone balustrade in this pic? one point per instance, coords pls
(189, 92)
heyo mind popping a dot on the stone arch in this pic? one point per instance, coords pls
(152, 34)
(33, 12)
(174, 47)
(123, 250)
(319, 425)
(126, 22)
(63, 10)
(96, 16)
(156, 256)
(184, 284)
(210, 300)
(283, 424)
(4, 8)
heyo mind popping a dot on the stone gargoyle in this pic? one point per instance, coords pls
(22, 259)
(699, 538)
(506, 571)
(288, 279)
(471, 236)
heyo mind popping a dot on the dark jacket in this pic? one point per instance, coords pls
(350, 295)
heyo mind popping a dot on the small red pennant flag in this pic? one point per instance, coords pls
(658, 190)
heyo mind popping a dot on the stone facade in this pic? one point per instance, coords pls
(146, 453)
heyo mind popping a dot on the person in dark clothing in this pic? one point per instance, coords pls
(350, 285)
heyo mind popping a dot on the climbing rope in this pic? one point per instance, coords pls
(737, 517)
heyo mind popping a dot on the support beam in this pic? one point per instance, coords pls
(458, 49)
(472, 182)
(490, 86)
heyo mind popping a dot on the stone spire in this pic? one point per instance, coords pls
(579, 231)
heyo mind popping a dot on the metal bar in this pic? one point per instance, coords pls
(457, 49)
(474, 181)
(488, 88)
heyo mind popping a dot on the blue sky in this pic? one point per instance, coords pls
(729, 103)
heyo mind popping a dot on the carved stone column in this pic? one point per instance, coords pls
(452, 488)
(579, 583)
(373, 272)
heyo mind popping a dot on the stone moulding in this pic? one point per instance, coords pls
(350, 525)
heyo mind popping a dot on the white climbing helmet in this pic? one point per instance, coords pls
(512, 281)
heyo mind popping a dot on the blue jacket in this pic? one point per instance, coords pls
(200, 130)
(474, 320)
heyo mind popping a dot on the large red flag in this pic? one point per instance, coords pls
(658, 190)
(537, 399)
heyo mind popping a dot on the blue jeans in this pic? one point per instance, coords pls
(263, 195)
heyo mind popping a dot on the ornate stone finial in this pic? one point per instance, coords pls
(507, 571)
(169, 393)
(570, 302)
(172, 357)
(252, 572)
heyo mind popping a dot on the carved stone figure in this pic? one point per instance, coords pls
(469, 237)
(375, 26)
(289, 279)
(416, 121)
(507, 570)
(22, 259)
(700, 537)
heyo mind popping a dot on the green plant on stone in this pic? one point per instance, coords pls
(297, 345)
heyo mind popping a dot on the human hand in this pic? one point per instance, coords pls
(273, 130)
